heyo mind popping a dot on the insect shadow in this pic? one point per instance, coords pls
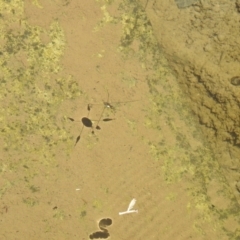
(87, 122)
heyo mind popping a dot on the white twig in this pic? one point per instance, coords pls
(129, 210)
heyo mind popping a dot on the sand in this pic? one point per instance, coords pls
(64, 56)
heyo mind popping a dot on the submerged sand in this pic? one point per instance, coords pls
(62, 56)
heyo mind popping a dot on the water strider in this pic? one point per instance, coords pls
(106, 104)
(87, 122)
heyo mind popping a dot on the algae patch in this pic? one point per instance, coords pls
(186, 155)
(32, 89)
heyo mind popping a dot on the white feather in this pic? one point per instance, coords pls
(131, 204)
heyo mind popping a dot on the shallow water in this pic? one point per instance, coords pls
(56, 59)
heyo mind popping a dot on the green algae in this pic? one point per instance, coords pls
(32, 90)
(187, 157)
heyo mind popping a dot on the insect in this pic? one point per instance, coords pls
(87, 122)
(105, 106)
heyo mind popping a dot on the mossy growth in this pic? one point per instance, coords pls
(186, 156)
(32, 88)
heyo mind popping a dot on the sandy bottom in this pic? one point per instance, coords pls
(151, 150)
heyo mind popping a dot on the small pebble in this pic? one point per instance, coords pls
(235, 81)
